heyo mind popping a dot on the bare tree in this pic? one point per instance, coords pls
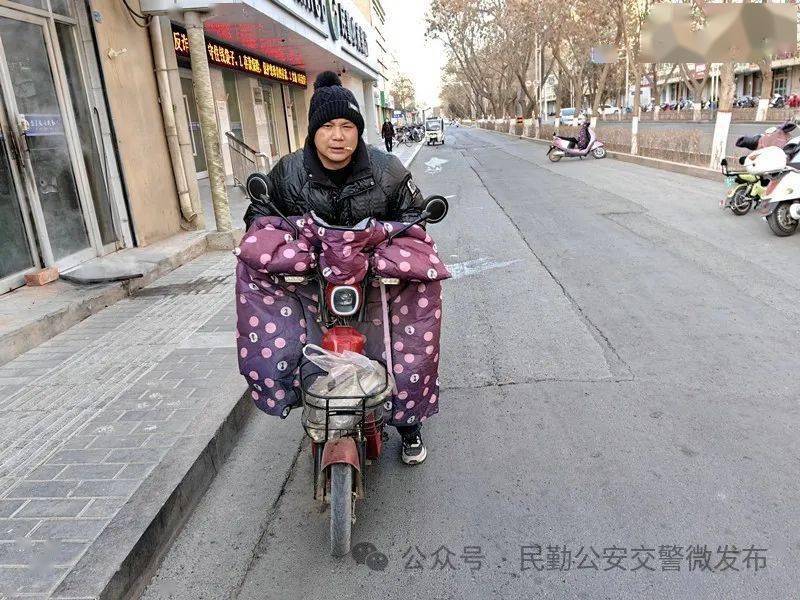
(402, 90)
(694, 87)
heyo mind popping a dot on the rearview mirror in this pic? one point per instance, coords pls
(436, 209)
(257, 186)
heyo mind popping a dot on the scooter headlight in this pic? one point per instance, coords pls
(345, 300)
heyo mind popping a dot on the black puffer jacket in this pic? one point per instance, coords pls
(379, 186)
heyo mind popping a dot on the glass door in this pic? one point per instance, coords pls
(43, 143)
(16, 250)
(269, 112)
(195, 131)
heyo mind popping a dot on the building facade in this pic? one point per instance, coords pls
(102, 145)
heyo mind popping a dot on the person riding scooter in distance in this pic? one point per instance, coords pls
(343, 181)
(581, 140)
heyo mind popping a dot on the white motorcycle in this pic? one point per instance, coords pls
(781, 203)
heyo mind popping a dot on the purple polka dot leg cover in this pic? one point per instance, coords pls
(276, 320)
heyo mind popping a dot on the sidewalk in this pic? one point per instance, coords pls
(406, 153)
(104, 423)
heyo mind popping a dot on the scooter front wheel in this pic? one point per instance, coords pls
(554, 156)
(781, 222)
(341, 497)
(599, 152)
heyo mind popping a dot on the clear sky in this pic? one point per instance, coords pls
(421, 59)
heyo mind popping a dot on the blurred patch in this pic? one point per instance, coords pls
(740, 32)
(605, 54)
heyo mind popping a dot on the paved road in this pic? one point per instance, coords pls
(619, 376)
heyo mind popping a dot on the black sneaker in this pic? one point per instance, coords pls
(413, 449)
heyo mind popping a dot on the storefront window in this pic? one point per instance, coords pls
(234, 114)
(95, 165)
(62, 7)
(194, 126)
(269, 110)
(33, 3)
(779, 84)
(298, 114)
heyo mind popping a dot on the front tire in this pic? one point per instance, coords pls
(781, 222)
(554, 157)
(341, 508)
(741, 202)
(599, 152)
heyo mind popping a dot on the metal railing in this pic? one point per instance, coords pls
(245, 160)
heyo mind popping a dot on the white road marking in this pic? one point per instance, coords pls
(434, 165)
(473, 267)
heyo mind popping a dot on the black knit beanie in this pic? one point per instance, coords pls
(332, 101)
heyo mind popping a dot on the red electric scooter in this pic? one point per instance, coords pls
(347, 432)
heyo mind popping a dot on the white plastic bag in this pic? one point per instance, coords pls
(349, 373)
(350, 377)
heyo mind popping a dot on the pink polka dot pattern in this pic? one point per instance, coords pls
(268, 307)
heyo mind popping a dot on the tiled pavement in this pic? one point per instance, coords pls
(88, 415)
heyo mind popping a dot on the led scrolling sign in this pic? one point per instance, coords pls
(223, 55)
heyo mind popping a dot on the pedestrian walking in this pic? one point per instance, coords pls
(387, 133)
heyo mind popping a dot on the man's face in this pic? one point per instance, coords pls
(336, 142)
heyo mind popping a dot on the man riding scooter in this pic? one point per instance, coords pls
(341, 180)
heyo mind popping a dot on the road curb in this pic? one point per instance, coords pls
(407, 164)
(655, 163)
(158, 510)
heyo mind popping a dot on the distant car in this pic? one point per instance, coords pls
(566, 116)
(607, 109)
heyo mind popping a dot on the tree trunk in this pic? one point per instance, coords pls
(766, 89)
(601, 86)
(723, 122)
(637, 91)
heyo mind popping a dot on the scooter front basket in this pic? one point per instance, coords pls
(327, 416)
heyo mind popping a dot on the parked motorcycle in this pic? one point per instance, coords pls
(777, 101)
(346, 431)
(781, 200)
(561, 147)
(745, 191)
(776, 161)
(747, 188)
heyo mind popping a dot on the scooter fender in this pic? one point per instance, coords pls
(341, 450)
(344, 450)
(788, 188)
